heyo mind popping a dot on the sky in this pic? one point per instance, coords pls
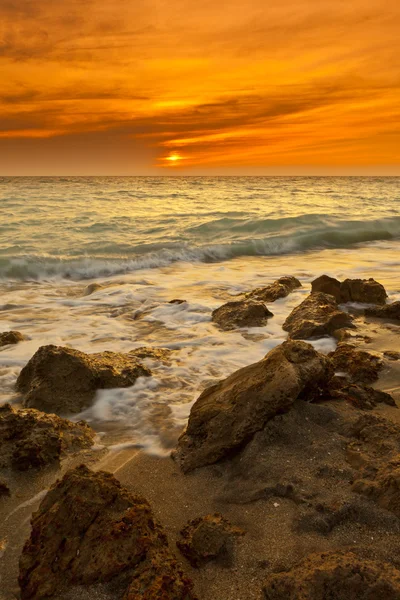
(181, 87)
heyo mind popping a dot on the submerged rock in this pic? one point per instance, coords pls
(90, 530)
(65, 381)
(366, 291)
(207, 538)
(227, 415)
(389, 311)
(10, 337)
(392, 354)
(241, 313)
(30, 439)
(281, 288)
(91, 288)
(316, 316)
(360, 366)
(337, 576)
(161, 354)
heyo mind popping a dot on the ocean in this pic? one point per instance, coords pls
(204, 240)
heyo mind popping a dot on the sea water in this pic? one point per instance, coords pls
(204, 240)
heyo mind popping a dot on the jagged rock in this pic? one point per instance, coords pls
(227, 415)
(64, 380)
(279, 289)
(351, 290)
(89, 529)
(327, 285)
(10, 337)
(30, 439)
(241, 313)
(360, 396)
(207, 538)
(360, 366)
(392, 355)
(384, 488)
(367, 291)
(4, 489)
(316, 316)
(337, 576)
(161, 354)
(389, 311)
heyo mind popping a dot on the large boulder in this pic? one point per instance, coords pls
(366, 291)
(316, 316)
(281, 288)
(360, 366)
(228, 414)
(65, 381)
(90, 530)
(241, 313)
(30, 439)
(337, 576)
(389, 311)
(10, 337)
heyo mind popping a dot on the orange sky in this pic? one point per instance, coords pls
(235, 87)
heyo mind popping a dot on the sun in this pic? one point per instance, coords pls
(173, 158)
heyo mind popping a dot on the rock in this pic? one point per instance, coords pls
(360, 366)
(90, 530)
(241, 313)
(327, 285)
(316, 316)
(30, 439)
(384, 489)
(10, 337)
(65, 381)
(351, 290)
(279, 289)
(91, 288)
(161, 354)
(207, 538)
(176, 301)
(4, 489)
(392, 355)
(389, 311)
(367, 291)
(228, 414)
(337, 576)
(360, 396)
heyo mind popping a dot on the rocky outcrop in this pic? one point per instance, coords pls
(359, 396)
(160, 354)
(392, 354)
(366, 291)
(281, 288)
(90, 530)
(10, 337)
(337, 576)
(316, 316)
(389, 311)
(227, 415)
(4, 489)
(30, 439)
(384, 487)
(208, 538)
(65, 381)
(360, 366)
(241, 313)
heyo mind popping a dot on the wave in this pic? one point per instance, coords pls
(322, 235)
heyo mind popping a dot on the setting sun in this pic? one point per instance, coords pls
(173, 158)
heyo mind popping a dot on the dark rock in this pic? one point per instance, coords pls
(4, 489)
(91, 288)
(90, 530)
(316, 316)
(389, 311)
(363, 290)
(228, 414)
(177, 301)
(10, 337)
(30, 439)
(208, 538)
(241, 313)
(337, 576)
(360, 396)
(392, 355)
(384, 488)
(360, 366)
(327, 285)
(281, 288)
(64, 380)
